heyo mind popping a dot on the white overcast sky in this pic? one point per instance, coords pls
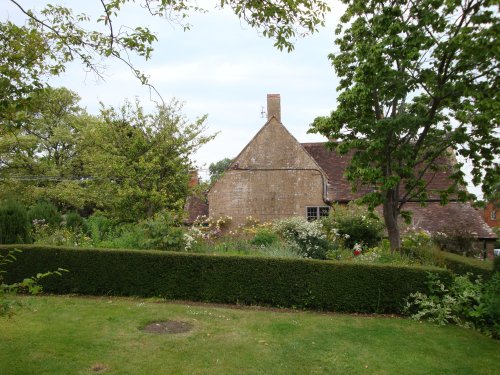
(221, 67)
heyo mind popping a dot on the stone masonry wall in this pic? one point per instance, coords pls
(273, 177)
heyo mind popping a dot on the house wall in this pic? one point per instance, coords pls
(265, 195)
(273, 177)
(492, 215)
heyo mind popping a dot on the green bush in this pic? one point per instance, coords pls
(420, 247)
(162, 232)
(45, 212)
(14, 223)
(284, 282)
(73, 221)
(467, 302)
(99, 228)
(354, 225)
(496, 264)
(264, 237)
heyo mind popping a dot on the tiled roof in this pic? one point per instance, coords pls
(451, 218)
(334, 165)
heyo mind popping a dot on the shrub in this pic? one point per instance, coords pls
(496, 264)
(75, 222)
(99, 228)
(284, 282)
(420, 247)
(466, 302)
(14, 223)
(355, 225)
(306, 236)
(162, 232)
(264, 237)
(45, 212)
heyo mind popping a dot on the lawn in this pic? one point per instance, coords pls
(76, 335)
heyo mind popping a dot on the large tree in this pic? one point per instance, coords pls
(418, 81)
(137, 163)
(38, 150)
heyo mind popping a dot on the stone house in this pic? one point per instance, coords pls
(275, 176)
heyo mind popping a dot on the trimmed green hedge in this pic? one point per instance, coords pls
(298, 283)
(460, 265)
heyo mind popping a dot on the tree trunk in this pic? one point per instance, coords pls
(391, 213)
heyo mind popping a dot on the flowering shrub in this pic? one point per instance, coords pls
(353, 225)
(306, 236)
(419, 247)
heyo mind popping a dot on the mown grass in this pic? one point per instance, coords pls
(74, 335)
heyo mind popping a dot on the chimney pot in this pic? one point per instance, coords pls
(274, 106)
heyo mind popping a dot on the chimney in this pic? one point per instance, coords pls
(274, 106)
(193, 178)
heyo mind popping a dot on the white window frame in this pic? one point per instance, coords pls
(316, 212)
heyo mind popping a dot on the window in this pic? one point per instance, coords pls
(493, 214)
(314, 213)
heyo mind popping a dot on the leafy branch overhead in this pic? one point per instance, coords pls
(70, 36)
(419, 83)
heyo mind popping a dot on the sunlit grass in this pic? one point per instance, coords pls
(74, 335)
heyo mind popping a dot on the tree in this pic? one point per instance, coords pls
(419, 78)
(218, 168)
(38, 153)
(137, 163)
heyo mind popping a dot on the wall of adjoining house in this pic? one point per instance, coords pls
(273, 177)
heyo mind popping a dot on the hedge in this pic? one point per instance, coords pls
(323, 285)
(461, 265)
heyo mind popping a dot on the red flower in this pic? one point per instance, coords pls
(357, 252)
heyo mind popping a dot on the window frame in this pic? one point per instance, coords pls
(319, 212)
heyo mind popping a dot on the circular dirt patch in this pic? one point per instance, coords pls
(168, 327)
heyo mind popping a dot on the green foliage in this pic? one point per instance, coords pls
(162, 232)
(139, 162)
(306, 236)
(29, 285)
(14, 223)
(282, 282)
(99, 227)
(420, 246)
(416, 80)
(46, 212)
(218, 168)
(496, 264)
(467, 303)
(354, 225)
(461, 265)
(264, 237)
(75, 222)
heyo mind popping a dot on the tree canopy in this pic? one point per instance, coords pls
(418, 82)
